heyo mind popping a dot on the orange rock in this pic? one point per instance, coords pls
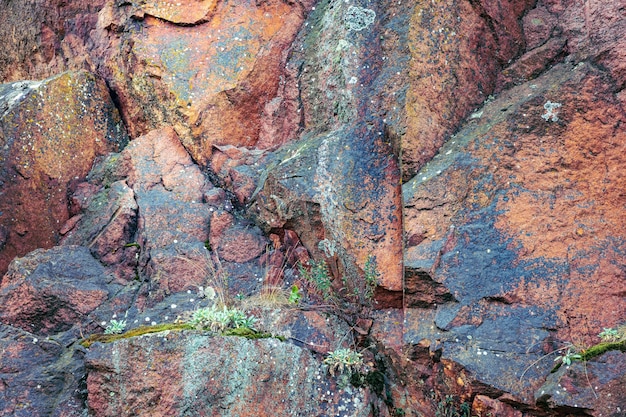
(51, 132)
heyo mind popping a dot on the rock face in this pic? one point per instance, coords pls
(500, 226)
(435, 185)
(51, 131)
(212, 377)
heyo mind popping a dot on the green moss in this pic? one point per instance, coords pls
(142, 330)
(597, 350)
(250, 334)
(600, 348)
(139, 331)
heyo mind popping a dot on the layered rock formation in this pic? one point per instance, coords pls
(455, 166)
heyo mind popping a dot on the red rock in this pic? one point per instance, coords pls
(595, 386)
(42, 40)
(221, 375)
(538, 26)
(107, 226)
(238, 169)
(50, 131)
(81, 197)
(484, 405)
(532, 63)
(47, 292)
(513, 232)
(534, 221)
(454, 46)
(158, 159)
(239, 243)
(330, 207)
(27, 361)
(218, 102)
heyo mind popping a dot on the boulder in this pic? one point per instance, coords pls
(341, 201)
(49, 291)
(242, 51)
(597, 386)
(514, 225)
(51, 131)
(40, 376)
(188, 373)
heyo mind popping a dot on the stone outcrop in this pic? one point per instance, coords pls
(213, 377)
(471, 151)
(499, 225)
(51, 131)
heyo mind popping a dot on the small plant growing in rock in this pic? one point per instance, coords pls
(115, 327)
(447, 408)
(343, 361)
(239, 319)
(568, 357)
(295, 296)
(371, 276)
(318, 277)
(218, 320)
(609, 335)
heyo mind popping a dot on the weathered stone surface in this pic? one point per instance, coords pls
(321, 187)
(513, 234)
(454, 46)
(239, 243)
(107, 226)
(598, 386)
(212, 376)
(490, 406)
(43, 39)
(150, 219)
(526, 245)
(50, 133)
(47, 292)
(241, 47)
(39, 376)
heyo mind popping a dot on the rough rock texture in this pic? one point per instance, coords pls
(212, 376)
(597, 386)
(43, 39)
(40, 377)
(51, 131)
(471, 149)
(48, 291)
(210, 69)
(519, 245)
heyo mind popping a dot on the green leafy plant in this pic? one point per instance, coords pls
(609, 335)
(318, 276)
(115, 327)
(343, 361)
(569, 356)
(219, 319)
(295, 296)
(371, 276)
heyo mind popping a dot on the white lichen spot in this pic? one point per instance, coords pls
(358, 18)
(551, 113)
